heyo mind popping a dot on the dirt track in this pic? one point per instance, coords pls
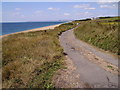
(94, 67)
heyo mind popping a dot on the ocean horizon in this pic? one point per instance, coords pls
(13, 27)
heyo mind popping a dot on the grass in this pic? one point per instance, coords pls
(109, 66)
(110, 23)
(110, 19)
(104, 36)
(31, 59)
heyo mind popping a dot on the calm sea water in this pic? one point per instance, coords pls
(8, 28)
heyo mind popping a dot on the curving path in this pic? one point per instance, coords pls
(91, 63)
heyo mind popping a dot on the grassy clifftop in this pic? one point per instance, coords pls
(102, 33)
(30, 59)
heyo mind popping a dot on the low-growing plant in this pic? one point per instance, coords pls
(104, 36)
(31, 59)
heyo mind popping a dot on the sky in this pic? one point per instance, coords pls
(54, 11)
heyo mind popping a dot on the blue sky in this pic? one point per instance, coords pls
(53, 11)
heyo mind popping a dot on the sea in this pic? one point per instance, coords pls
(12, 27)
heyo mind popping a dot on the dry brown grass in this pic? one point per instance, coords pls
(30, 59)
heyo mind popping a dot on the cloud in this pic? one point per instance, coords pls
(84, 6)
(51, 8)
(81, 6)
(108, 6)
(84, 14)
(17, 8)
(107, 1)
(15, 13)
(66, 14)
(100, 15)
(90, 8)
(22, 16)
(38, 12)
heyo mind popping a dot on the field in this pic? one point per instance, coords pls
(29, 60)
(102, 33)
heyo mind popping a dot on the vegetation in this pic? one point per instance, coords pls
(104, 17)
(88, 19)
(102, 33)
(109, 19)
(30, 59)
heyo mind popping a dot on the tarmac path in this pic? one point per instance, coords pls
(95, 67)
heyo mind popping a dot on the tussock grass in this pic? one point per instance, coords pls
(104, 36)
(30, 59)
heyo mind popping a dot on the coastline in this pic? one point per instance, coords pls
(33, 30)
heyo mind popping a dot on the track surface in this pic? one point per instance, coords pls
(90, 72)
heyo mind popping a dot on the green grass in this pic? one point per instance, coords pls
(109, 66)
(109, 23)
(110, 19)
(104, 36)
(31, 59)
